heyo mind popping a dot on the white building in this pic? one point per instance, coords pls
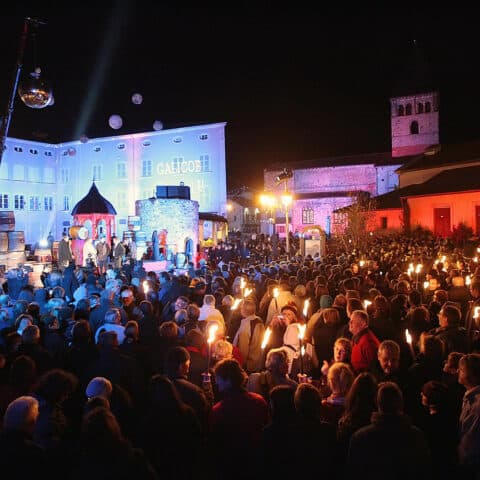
(42, 182)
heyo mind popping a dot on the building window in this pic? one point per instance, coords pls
(146, 143)
(204, 163)
(33, 151)
(401, 111)
(34, 203)
(121, 170)
(420, 107)
(121, 146)
(97, 172)
(48, 153)
(176, 162)
(307, 216)
(428, 107)
(66, 203)
(48, 203)
(18, 149)
(408, 109)
(146, 168)
(19, 202)
(414, 128)
(383, 222)
(3, 200)
(204, 136)
(65, 175)
(97, 149)
(177, 140)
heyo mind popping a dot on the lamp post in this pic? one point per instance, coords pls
(283, 177)
(35, 93)
(287, 201)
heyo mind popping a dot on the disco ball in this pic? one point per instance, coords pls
(35, 92)
(157, 125)
(83, 138)
(115, 121)
(137, 99)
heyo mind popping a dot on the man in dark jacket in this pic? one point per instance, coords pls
(390, 443)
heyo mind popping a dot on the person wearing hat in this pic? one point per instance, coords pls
(128, 304)
(198, 288)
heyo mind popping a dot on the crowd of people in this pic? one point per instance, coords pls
(249, 366)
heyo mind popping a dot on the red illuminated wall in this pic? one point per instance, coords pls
(461, 205)
(394, 220)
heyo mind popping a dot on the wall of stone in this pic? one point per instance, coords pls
(178, 217)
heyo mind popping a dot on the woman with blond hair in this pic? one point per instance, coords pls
(340, 378)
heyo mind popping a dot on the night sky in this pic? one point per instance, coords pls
(291, 84)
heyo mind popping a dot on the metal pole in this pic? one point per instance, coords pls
(16, 75)
(7, 117)
(286, 224)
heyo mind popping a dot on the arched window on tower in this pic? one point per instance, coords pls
(401, 111)
(408, 109)
(420, 107)
(428, 107)
(414, 128)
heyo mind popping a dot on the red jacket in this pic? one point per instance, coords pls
(364, 350)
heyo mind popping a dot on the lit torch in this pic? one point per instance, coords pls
(212, 331)
(275, 296)
(408, 338)
(145, 287)
(306, 306)
(301, 334)
(266, 337)
(236, 303)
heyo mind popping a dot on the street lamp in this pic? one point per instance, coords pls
(286, 198)
(35, 92)
(287, 201)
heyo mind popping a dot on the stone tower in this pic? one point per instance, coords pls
(414, 106)
(414, 121)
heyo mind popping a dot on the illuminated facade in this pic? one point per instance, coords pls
(42, 182)
(321, 186)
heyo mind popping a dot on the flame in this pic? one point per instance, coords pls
(247, 292)
(306, 306)
(426, 284)
(301, 330)
(476, 312)
(302, 351)
(242, 283)
(266, 337)
(212, 331)
(418, 268)
(236, 303)
(366, 303)
(361, 263)
(145, 287)
(275, 293)
(468, 280)
(408, 337)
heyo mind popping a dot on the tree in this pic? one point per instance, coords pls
(460, 234)
(356, 222)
